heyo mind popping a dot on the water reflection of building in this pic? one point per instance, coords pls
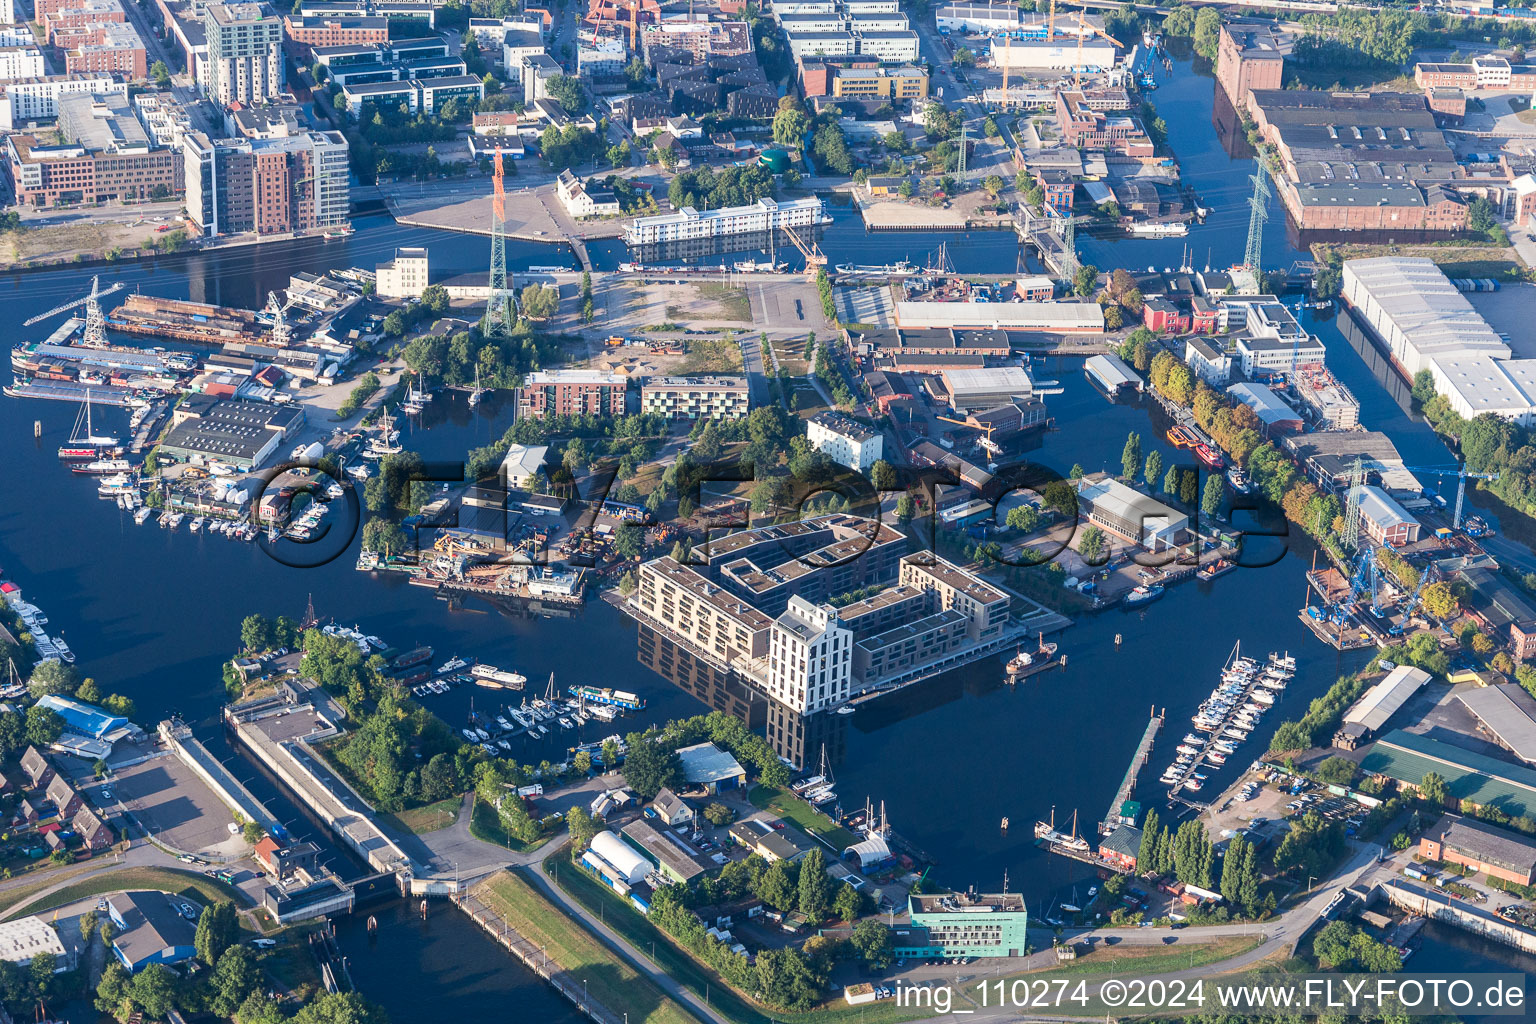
(1229, 128)
(1380, 366)
(721, 689)
(796, 738)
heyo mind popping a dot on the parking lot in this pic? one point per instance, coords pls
(1260, 803)
(176, 806)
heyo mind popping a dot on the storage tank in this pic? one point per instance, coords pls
(621, 856)
(776, 160)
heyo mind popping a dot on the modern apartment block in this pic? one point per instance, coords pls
(695, 398)
(709, 619)
(817, 559)
(245, 53)
(107, 155)
(21, 62)
(964, 925)
(810, 657)
(572, 393)
(268, 186)
(115, 48)
(36, 99)
(984, 606)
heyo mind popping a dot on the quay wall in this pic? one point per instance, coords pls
(1440, 907)
(190, 752)
(535, 960)
(353, 826)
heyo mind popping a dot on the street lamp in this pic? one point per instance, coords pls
(1310, 880)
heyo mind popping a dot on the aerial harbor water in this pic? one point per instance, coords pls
(155, 614)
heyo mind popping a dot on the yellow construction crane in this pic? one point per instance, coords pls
(815, 259)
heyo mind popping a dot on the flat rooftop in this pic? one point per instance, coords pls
(965, 903)
(953, 576)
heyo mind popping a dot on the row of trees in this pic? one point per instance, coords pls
(705, 188)
(1189, 856)
(258, 633)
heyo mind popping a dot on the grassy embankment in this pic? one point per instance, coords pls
(609, 980)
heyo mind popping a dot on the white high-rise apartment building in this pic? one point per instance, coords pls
(810, 657)
(245, 53)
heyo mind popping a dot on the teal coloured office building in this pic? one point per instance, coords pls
(963, 924)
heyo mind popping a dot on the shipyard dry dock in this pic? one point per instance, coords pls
(199, 323)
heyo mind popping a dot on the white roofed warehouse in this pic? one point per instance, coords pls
(1383, 520)
(615, 861)
(1131, 515)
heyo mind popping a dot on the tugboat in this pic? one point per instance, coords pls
(1026, 663)
(1143, 595)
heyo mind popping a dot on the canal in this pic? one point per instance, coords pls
(948, 758)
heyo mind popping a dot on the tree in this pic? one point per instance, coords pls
(848, 904)
(790, 126)
(1084, 281)
(153, 989)
(1091, 545)
(384, 536)
(575, 457)
(583, 828)
(1434, 790)
(1146, 855)
(1189, 486)
(217, 930)
(1130, 456)
(1210, 501)
(813, 900)
(1207, 31)
(778, 887)
(905, 508)
(1440, 600)
(963, 58)
(629, 541)
(160, 73)
(1337, 771)
(872, 941)
(112, 992)
(993, 184)
(539, 302)
(883, 475)
(717, 814)
(648, 768)
(1171, 481)
(1154, 469)
(233, 979)
(53, 677)
(340, 1008)
(43, 725)
(1022, 518)
(566, 91)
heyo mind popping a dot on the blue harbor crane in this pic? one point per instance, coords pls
(1461, 475)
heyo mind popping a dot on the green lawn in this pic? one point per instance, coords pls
(636, 929)
(1148, 960)
(430, 818)
(791, 808)
(184, 883)
(610, 981)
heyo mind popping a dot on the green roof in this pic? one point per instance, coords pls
(1486, 781)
